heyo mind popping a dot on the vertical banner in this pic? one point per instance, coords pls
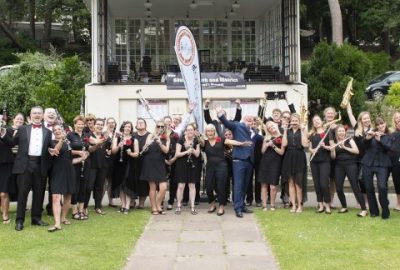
(188, 59)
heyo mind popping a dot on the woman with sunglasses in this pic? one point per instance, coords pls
(376, 162)
(154, 169)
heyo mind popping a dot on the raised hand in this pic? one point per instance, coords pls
(207, 103)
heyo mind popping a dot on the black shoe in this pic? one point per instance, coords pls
(221, 213)
(39, 223)
(239, 214)
(19, 226)
(247, 210)
(249, 203)
(212, 210)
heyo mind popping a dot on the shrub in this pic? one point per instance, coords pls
(393, 97)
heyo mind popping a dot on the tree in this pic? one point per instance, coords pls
(328, 72)
(337, 24)
(46, 80)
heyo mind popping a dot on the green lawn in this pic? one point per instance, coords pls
(337, 241)
(102, 242)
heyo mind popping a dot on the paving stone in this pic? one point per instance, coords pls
(243, 236)
(156, 249)
(246, 249)
(201, 263)
(251, 263)
(201, 236)
(200, 249)
(148, 263)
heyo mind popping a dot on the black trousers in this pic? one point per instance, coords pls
(95, 184)
(351, 171)
(80, 179)
(320, 173)
(396, 175)
(31, 179)
(382, 174)
(216, 176)
(254, 184)
(172, 185)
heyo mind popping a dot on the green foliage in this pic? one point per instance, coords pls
(328, 72)
(49, 81)
(393, 97)
(396, 65)
(380, 62)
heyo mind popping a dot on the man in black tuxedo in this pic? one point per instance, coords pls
(218, 124)
(31, 165)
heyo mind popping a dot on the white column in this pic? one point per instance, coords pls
(298, 57)
(95, 51)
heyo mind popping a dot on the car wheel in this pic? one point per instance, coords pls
(377, 95)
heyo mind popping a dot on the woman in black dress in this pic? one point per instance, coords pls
(79, 144)
(395, 157)
(320, 164)
(216, 167)
(270, 164)
(141, 187)
(62, 179)
(125, 147)
(187, 149)
(294, 162)
(154, 169)
(7, 179)
(345, 154)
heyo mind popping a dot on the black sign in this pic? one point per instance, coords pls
(209, 80)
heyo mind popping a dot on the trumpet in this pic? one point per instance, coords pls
(347, 94)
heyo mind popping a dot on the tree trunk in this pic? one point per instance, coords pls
(9, 34)
(32, 14)
(337, 23)
(386, 41)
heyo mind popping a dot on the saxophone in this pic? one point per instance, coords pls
(303, 113)
(347, 94)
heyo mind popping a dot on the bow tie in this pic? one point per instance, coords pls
(36, 126)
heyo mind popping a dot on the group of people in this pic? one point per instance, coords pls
(250, 157)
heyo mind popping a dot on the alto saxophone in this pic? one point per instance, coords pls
(347, 94)
(303, 113)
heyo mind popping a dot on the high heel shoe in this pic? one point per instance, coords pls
(212, 210)
(178, 210)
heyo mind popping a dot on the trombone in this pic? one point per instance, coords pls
(145, 103)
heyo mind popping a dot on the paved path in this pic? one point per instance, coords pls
(204, 241)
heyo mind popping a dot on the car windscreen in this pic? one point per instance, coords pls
(381, 77)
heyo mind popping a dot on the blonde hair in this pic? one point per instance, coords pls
(360, 128)
(396, 114)
(313, 129)
(268, 135)
(210, 127)
(329, 108)
(155, 132)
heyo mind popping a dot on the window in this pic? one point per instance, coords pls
(121, 44)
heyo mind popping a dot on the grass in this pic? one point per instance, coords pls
(102, 242)
(337, 241)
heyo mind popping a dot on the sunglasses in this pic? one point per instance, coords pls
(160, 126)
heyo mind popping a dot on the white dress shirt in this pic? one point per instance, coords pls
(36, 142)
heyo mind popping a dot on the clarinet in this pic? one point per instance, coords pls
(189, 159)
(83, 163)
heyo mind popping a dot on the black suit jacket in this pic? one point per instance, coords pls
(217, 124)
(22, 138)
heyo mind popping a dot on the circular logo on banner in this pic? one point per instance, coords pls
(186, 47)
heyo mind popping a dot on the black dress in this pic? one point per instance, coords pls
(123, 175)
(6, 163)
(154, 167)
(63, 173)
(187, 169)
(294, 161)
(270, 165)
(141, 188)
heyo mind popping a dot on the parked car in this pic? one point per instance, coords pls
(379, 87)
(5, 69)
